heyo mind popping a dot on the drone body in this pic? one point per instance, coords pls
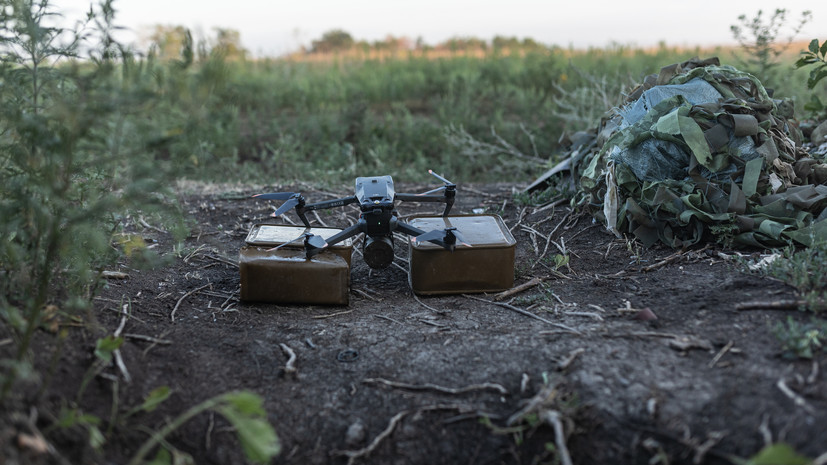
(378, 218)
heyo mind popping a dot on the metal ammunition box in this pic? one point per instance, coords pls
(286, 275)
(486, 266)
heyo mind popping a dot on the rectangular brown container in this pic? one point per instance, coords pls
(286, 276)
(486, 266)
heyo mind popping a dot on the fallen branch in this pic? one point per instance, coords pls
(143, 223)
(771, 305)
(441, 312)
(676, 341)
(365, 295)
(523, 312)
(319, 219)
(721, 354)
(433, 387)
(797, 399)
(178, 304)
(321, 317)
(670, 259)
(552, 417)
(141, 337)
(117, 352)
(516, 290)
(352, 455)
(544, 396)
(221, 259)
(566, 362)
(114, 275)
(663, 262)
(290, 366)
(389, 319)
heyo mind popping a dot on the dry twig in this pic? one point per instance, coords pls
(522, 287)
(352, 455)
(771, 305)
(178, 304)
(523, 312)
(721, 354)
(117, 352)
(321, 317)
(796, 398)
(141, 337)
(433, 387)
(566, 362)
(290, 366)
(114, 275)
(552, 417)
(441, 312)
(365, 295)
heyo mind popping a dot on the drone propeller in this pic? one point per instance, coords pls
(292, 198)
(450, 236)
(448, 185)
(277, 195)
(447, 182)
(311, 241)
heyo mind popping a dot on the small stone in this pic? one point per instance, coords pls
(355, 433)
(646, 315)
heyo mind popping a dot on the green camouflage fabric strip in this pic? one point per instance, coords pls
(769, 196)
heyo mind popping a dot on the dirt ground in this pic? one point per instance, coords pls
(637, 356)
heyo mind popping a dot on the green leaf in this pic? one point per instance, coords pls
(155, 398)
(805, 60)
(246, 402)
(813, 47)
(96, 439)
(823, 49)
(778, 454)
(814, 105)
(816, 75)
(258, 438)
(161, 458)
(105, 346)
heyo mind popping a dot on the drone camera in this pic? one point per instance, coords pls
(378, 251)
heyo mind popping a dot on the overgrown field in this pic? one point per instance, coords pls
(92, 136)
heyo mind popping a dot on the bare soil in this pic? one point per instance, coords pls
(383, 380)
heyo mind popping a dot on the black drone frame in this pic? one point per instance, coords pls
(378, 219)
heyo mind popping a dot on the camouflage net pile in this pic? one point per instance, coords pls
(701, 152)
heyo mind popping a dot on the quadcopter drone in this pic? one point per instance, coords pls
(378, 219)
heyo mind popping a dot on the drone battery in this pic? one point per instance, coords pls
(486, 266)
(285, 275)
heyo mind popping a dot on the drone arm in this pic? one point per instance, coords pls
(347, 233)
(406, 228)
(331, 203)
(447, 199)
(302, 209)
(412, 231)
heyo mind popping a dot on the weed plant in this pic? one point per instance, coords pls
(76, 112)
(803, 270)
(802, 340)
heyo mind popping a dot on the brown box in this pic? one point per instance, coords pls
(286, 275)
(486, 266)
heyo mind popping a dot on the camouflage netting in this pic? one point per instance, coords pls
(702, 152)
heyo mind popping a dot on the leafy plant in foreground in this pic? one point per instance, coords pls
(243, 409)
(815, 56)
(761, 38)
(73, 163)
(802, 340)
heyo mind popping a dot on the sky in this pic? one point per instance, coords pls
(277, 27)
